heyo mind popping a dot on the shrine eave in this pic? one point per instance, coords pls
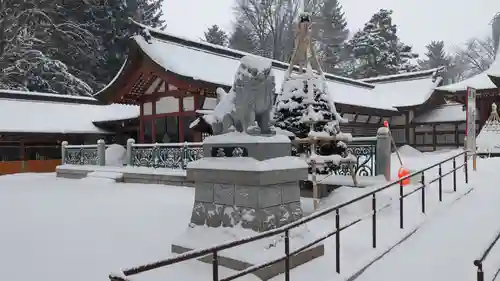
(495, 78)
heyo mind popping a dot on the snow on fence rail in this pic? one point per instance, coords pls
(177, 155)
(284, 231)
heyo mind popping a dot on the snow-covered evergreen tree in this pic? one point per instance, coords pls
(378, 50)
(331, 28)
(109, 21)
(35, 37)
(216, 36)
(303, 99)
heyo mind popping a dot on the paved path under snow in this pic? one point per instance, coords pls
(446, 245)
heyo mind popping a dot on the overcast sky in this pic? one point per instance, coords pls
(419, 21)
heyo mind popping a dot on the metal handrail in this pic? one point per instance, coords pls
(479, 262)
(193, 254)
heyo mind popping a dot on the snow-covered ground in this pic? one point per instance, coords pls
(445, 247)
(59, 229)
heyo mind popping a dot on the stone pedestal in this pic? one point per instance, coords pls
(243, 145)
(246, 180)
(259, 195)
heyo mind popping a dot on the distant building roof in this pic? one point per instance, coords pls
(452, 112)
(483, 81)
(30, 112)
(406, 89)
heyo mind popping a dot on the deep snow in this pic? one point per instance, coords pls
(59, 229)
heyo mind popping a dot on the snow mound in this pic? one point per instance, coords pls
(410, 151)
(115, 155)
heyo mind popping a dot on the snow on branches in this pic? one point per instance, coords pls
(304, 99)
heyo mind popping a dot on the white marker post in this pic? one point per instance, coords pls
(470, 130)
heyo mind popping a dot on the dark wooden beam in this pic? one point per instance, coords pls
(434, 137)
(355, 118)
(129, 85)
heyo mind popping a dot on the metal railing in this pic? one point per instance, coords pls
(178, 155)
(166, 155)
(479, 262)
(362, 148)
(285, 230)
(80, 154)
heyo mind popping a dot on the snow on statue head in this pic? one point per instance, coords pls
(249, 101)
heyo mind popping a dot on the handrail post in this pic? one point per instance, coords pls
(466, 172)
(374, 221)
(480, 272)
(287, 254)
(130, 154)
(63, 152)
(215, 266)
(337, 240)
(184, 155)
(440, 183)
(422, 181)
(401, 222)
(454, 174)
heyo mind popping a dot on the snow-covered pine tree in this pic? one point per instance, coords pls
(305, 106)
(378, 50)
(302, 100)
(331, 33)
(35, 36)
(109, 21)
(215, 35)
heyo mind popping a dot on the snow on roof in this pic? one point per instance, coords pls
(22, 116)
(479, 81)
(406, 75)
(16, 94)
(233, 52)
(407, 92)
(495, 66)
(220, 69)
(444, 113)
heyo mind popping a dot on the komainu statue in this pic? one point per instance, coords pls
(249, 102)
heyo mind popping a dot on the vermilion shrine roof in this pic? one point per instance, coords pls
(206, 66)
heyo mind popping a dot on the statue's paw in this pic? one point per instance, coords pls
(268, 131)
(253, 130)
(231, 129)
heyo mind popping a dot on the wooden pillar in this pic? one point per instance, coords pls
(197, 106)
(153, 122)
(180, 117)
(407, 128)
(457, 139)
(141, 123)
(434, 137)
(22, 155)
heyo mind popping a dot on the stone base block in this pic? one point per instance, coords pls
(156, 179)
(70, 173)
(243, 145)
(265, 273)
(216, 215)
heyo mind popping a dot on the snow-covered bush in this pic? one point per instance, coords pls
(305, 100)
(116, 155)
